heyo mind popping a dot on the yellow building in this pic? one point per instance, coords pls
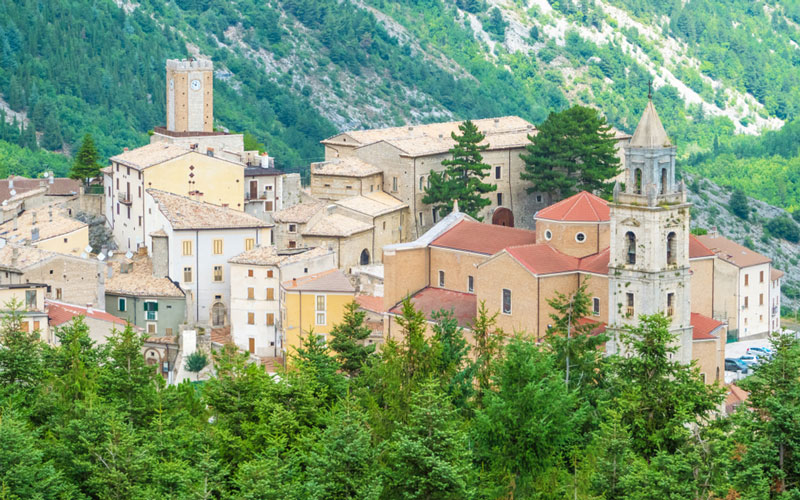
(47, 228)
(30, 297)
(313, 303)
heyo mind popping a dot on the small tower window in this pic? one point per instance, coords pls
(548, 235)
(631, 239)
(630, 308)
(663, 181)
(671, 250)
(580, 237)
(638, 180)
(670, 304)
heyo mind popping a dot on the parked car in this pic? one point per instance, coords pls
(750, 359)
(760, 351)
(735, 365)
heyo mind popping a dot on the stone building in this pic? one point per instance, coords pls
(268, 190)
(47, 227)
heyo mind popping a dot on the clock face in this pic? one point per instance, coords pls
(171, 84)
(195, 85)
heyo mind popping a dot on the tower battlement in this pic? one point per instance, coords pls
(189, 64)
(190, 95)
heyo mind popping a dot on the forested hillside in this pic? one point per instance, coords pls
(292, 72)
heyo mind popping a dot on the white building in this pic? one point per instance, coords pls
(192, 241)
(255, 278)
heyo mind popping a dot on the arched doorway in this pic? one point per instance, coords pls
(503, 216)
(218, 314)
(364, 260)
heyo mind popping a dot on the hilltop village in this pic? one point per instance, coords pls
(199, 243)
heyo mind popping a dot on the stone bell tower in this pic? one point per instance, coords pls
(649, 236)
(190, 95)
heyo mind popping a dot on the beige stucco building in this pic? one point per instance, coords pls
(30, 297)
(47, 227)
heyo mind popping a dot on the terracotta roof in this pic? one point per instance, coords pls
(149, 155)
(703, 327)
(543, 259)
(775, 274)
(300, 213)
(166, 339)
(338, 225)
(221, 335)
(270, 256)
(430, 300)
(186, 213)
(26, 256)
(597, 263)
(60, 187)
(370, 303)
(347, 167)
(486, 239)
(581, 207)
(373, 204)
(139, 280)
(51, 220)
(650, 132)
(733, 252)
(697, 250)
(61, 312)
(332, 280)
(736, 396)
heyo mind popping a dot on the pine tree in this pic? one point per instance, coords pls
(195, 362)
(21, 367)
(454, 369)
(462, 178)
(85, 165)
(487, 350)
(572, 150)
(347, 340)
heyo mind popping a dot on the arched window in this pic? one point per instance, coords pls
(631, 250)
(663, 181)
(364, 260)
(671, 249)
(638, 180)
(218, 314)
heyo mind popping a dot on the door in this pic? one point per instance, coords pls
(253, 190)
(252, 345)
(503, 217)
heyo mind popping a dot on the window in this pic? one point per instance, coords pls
(122, 305)
(151, 310)
(30, 299)
(761, 277)
(292, 228)
(498, 170)
(218, 247)
(217, 273)
(746, 279)
(251, 293)
(596, 306)
(470, 284)
(761, 299)
(580, 237)
(140, 220)
(292, 244)
(187, 247)
(270, 294)
(746, 302)
(421, 219)
(548, 235)
(269, 273)
(218, 314)
(58, 294)
(270, 319)
(671, 249)
(499, 198)
(251, 318)
(435, 214)
(268, 206)
(394, 184)
(168, 332)
(187, 274)
(631, 247)
(250, 273)
(152, 328)
(638, 181)
(670, 304)
(320, 309)
(506, 301)
(249, 243)
(441, 278)
(630, 308)
(421, 182)
(538, 198)
(703, 377)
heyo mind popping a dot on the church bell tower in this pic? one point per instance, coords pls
(190, 95)
(649, 234)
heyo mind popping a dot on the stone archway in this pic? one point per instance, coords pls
(218, 314)
(503, 216)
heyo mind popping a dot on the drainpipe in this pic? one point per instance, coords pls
(197, 276)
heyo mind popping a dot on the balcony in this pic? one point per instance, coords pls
(124, 197)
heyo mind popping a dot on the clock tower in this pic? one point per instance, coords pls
(649, 236)
(190, 95)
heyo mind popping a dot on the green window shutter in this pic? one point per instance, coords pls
(121, 304)
(154, 306)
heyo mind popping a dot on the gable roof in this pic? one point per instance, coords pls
(581, 207)
(139, 280)
(650, 131)
(704, 328)
(697, 250)
(50, 220)
(336, 225)
(372, 204)
(59, 313)
(732, 252)
(332, 280)
(597, 263)
(775, 274)
(186, 213)
(487, 239)
(300, 213)
(347, 167)
(149, 155)
(270, 256)
(60, 186)
(543, 259)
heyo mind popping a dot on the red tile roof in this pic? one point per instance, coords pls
(486, 239)
(430, 300)
(60, 313)
(703, 327)
(370, 303)
(543, 259)
(60, 187)
(733, 252)
(582, 207)
(332, 280)
(221, 335)
(775, 274)
(697, 250)
(597, 263)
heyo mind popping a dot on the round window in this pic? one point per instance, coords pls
(580, 237)
(548, 235)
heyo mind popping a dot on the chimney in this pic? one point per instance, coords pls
(11, 183)
(294, 280)
(51, 178)
(34, 234)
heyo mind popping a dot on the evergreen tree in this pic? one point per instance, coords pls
(347, 340)
(314, 357)
(195, 362)
(86, 164)
(738, 204)
(487, 350)
(572, 150)
(21, 368)
(462, 178)
(454, 367)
